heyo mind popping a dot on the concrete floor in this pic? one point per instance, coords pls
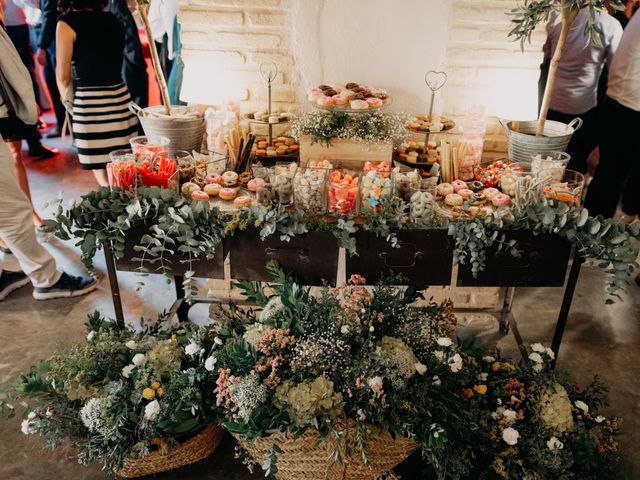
(599, 339)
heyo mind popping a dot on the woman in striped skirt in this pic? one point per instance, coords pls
(89, 50)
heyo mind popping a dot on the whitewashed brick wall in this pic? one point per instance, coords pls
(228, 40)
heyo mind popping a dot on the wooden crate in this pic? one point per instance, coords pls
(423, 257)
(348, 153)
(543, 263)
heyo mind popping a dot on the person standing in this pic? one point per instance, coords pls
(619, 146)
(92, 41)
(134, 67)
(576, 87)
(16, 226)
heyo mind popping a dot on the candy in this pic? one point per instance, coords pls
(343, 193)
(421, 206)
(309, 188)
(375, 188)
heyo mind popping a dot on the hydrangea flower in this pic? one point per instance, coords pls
(554, 409)
(192, 349)
(510, 436)
(138, 359)
(152, 411)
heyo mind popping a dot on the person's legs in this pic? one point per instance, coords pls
(619, 148)
(21, 174)
(50, 79)
(631, 194)
(16, 228)
(583, 141)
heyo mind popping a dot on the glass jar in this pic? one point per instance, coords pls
(142, 145)
(568, 190)
(281, 179)
(310, 189)
(343, 192)
(556, 161)
(402, 181)
(121, 171)
(520, 183)
(375, 188)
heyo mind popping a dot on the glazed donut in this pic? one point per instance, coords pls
(465, 193)
(199, 195)
(244, 178)
(228, 194)
(454, 200)
(490, 193)
(229, 179)
(242, 201)
(255, 184)
(212, 189)
(444, 189)
(213, 178)
(459, 185)
(188, 188)
(501, 199)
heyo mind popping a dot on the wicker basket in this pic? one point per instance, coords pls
(193, 450)
(310, 457)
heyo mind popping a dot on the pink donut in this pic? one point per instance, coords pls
(459, 185)
(340, 100)
(325, 101)
(242, 201)
(490, 193)
(501, 199)
(213, 178)
(374, 102)
(254, 184)
(228, 193)
(200, 195)
(465, 193)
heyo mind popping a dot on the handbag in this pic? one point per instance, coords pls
(67, 126)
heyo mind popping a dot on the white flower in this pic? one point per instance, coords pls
(550, 353)
(436, 380)
(510, 436)
(91, 335)
(483, 377)
(361, 415)
(371, 329)
(499, 401)
(600, 419)
(538, 367)
(375, 383)
(152, 411)
(582, 406)
(138, 359)
(344, 329)
(126, 371)
(421, 368)
(131, 345)
(444, 342)
(210, 363)
(439, 355)
(554, 444)
(536, 357)
(192, 349)
(217, 341)
(509, 415)
(489, 359)
(537, 347)
(24, 426)
(31, 415)
(455, 363)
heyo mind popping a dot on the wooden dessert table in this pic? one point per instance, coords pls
(424, 258)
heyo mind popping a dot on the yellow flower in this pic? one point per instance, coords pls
(480, 389)
(468, 393)
(160, 391)
(173, 337)
(496, 366)
(148, 393)
(155, 385)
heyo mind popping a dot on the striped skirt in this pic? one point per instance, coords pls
(102, 123)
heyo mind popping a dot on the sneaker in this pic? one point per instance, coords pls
(10, 281)
(68, 286)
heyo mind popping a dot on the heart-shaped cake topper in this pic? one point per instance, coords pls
(435, 80)
(268, 70)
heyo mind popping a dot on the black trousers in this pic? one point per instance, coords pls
(618, 173)
(584, 140)
(19, 35)
(49, 71)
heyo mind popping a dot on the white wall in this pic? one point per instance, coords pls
(386, 43)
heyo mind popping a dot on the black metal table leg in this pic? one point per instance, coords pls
(183, 308)
(113, 284)
(566, 303)
(507, 305)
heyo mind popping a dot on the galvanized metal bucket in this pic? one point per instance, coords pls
(185, 133)
(524, 144)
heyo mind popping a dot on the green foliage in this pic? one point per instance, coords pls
(323, 127)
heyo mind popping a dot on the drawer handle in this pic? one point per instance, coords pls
(416, 256)
(303, 253)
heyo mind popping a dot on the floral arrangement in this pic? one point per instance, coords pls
(365, 128)
(115, 395)
(537, 423)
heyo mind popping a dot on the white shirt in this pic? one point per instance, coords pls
(13, 14)
(162, 14)
(576, 87)
(624, 75)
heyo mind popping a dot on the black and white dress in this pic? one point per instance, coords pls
(102, 121)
